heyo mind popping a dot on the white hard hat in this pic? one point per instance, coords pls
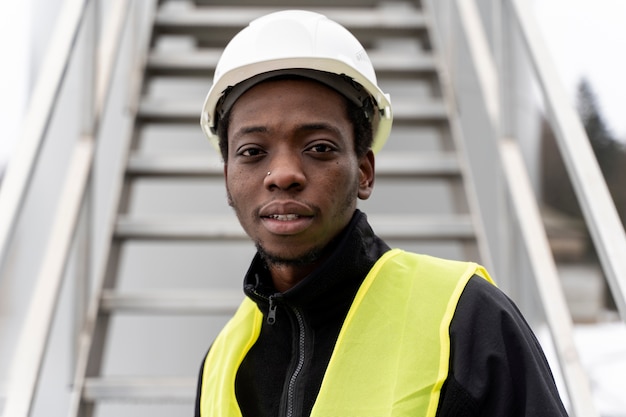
(302, 43)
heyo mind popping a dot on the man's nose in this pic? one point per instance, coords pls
(285, 172)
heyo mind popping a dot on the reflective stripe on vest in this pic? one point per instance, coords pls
(391, 356)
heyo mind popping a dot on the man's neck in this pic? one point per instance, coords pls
(286, 276)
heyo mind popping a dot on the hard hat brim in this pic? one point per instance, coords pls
(262, 71)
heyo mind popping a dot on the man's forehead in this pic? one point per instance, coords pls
(291, 86)
(291, 94)
(341, 85)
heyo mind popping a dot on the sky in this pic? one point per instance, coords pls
(587, 38)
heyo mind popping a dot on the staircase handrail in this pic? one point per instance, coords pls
(591, 189)
(24, 373)
(21, 165)
(523, 201)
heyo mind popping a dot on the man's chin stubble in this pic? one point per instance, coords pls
(274, 260)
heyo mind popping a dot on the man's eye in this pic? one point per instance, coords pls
(321, 147)
(250, 152)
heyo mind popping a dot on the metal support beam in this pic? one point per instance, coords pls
(31, 347)
(547, 279)
(593, 195)
(529, 220)
(37, 119)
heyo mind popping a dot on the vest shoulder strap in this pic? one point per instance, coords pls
(391, 357)
(217, 396)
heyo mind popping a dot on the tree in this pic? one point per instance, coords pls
(608, 151)
(557, 190)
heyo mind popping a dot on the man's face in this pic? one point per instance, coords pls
(292, 175)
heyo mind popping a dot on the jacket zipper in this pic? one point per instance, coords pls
(271, 313)
(300, 364)
(271, 319)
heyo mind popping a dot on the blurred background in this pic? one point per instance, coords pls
(113, 222)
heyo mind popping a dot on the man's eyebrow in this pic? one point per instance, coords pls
(306, 127)
(251, 129)
(318, 126)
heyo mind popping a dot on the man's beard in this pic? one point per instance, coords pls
(307, 258)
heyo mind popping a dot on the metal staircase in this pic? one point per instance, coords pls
(174, 254)
(420, 160)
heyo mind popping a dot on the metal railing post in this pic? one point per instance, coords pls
(32, 344)
(36, 120)
(522, 201)
(83, 241)
(593, 195)
(543, 267)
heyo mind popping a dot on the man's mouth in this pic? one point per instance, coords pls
(287, 223)
(284, 217)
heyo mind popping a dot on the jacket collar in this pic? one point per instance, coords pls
(330, 287)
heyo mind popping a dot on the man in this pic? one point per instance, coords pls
(336, 323)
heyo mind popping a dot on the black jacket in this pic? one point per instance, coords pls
(497, 367)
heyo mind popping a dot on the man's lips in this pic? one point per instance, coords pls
(286, 210)
(283, 217)
(286, 218)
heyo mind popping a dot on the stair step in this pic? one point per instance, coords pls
(218, 24)
(417, 165)
(388, 164)
(140, 389)
(202, 63)
(164, 111)
(307, 4)
(432, 227)
(215, 228)
(227, 228)
(192, 165)
(172, 301)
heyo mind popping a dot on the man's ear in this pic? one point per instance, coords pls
(366, 175)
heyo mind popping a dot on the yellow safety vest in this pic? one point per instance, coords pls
(392, 354)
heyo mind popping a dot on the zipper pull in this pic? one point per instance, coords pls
(271, 315)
